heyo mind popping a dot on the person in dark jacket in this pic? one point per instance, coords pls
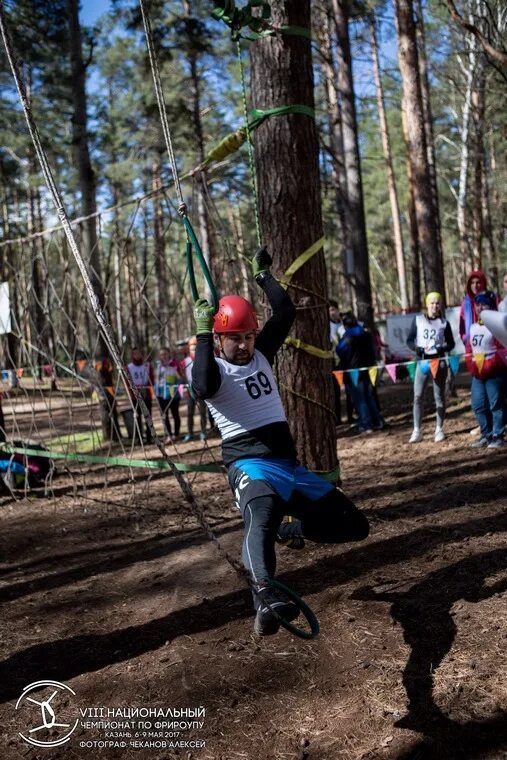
(356, 351)
(431, 338)
(258, 450)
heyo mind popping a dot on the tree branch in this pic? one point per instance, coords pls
(497, 55)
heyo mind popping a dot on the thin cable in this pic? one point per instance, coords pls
(251, 163)
(157, 82)
(96, 307)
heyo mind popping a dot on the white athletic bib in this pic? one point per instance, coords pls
(140, 374)
(187, 366)
(248, 397)
(481, 340)
(430, 333)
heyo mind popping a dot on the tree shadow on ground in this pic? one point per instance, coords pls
(132, 553)
(424, 612)
(67, 658)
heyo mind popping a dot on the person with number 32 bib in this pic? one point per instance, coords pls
(488, 377)
(265, 476)
(430, 336)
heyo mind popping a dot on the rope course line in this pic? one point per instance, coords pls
(192, 242)
(96, 307)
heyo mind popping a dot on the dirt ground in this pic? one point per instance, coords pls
(129, 605)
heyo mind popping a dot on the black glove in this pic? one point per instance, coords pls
(420, 352)
(261, 262)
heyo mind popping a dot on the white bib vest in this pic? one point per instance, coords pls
(430, 333)
(248, 397)
(481, 340)
(139, 374)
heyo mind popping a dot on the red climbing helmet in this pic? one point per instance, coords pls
(235, 315)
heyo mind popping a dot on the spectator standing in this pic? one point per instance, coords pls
(476, 283)
(488, 377)
(141, 375)
(166, 388)
(187, 364)
(336, 330)
(431, 337)
(357, 351)
(502, 306)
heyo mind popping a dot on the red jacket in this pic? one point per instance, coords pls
(468, 313)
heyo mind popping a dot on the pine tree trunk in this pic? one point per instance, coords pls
(468, 70)
(415, 267)
(428, 117)
(334, 120)
(355, 203)
(423, 193)
(391, 181)
(479, 178)
(87, 186)
(286, 155)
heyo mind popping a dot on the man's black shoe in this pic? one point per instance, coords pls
(285, 535)
(266, 622)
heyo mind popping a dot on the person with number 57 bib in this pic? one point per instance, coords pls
(265, 476)
(431, 338)
(488, 377)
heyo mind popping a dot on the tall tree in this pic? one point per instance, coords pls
(87, 186)
(286, 153)
(391, 181)
(427, 230)
(354, 204)
(428, 114)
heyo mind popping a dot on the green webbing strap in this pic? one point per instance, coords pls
(293, 31)
(258, 115)
(193, 243)
(332, 476)
(233, 141)
(149, 464)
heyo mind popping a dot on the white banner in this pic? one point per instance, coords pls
(5, 310)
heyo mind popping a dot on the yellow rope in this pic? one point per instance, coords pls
(320, 353)
(307, 398)
(301, 259)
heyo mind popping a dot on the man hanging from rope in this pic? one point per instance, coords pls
(264, 474)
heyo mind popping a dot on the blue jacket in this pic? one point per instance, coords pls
(356, 348)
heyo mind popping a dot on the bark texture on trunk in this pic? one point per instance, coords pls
(428, 116)
(425, 211)
(415, 266)
(391, 181)
(334, 120)
(87, 187)
(355, 204)
(286, 156)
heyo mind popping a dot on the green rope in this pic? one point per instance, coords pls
(150, 464)
(250, 149)
(193, 244)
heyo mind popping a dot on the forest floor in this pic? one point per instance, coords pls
(129, 605)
